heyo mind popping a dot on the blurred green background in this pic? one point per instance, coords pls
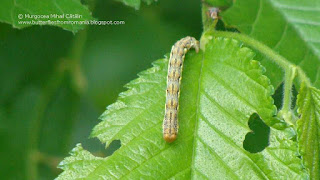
(54, 85)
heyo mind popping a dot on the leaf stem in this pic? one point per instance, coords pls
(208, 22)
(205, 20)
(289, 76)
(286, 112)
(281, 61)
(265, 50)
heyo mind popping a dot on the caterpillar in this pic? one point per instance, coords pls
(178, 51)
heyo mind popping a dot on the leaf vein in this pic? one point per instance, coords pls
(257, 17)
(227, 87)
(224, 111)
(211, 150)
(233, 144)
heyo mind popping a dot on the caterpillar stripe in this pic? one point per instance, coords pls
(178, 51)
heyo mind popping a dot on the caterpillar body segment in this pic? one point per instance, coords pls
(175, 66)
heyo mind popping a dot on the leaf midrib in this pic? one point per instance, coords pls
(195, 133)
(197, 119)
(139, 164)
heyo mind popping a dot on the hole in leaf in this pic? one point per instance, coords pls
(114, 145)
(278, 96)
(98, 149)
(258, 139)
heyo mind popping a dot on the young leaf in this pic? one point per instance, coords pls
(290, 27)
(22, 13)
(309, 128)
(222, 88)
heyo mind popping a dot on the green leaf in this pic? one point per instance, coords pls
(135, 3)
(219, 3)
(290, 27)
(309, 128)
(222, 88)
(21, 13)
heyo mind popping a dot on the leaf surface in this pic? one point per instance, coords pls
(309, 128)
(135, 3)
(290, 27)
(221, 88)
(24, 13)
(219, 3)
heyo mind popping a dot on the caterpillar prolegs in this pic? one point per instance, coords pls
(178, 51)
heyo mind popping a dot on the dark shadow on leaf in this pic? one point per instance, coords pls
(278, 96)
(258, 139)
